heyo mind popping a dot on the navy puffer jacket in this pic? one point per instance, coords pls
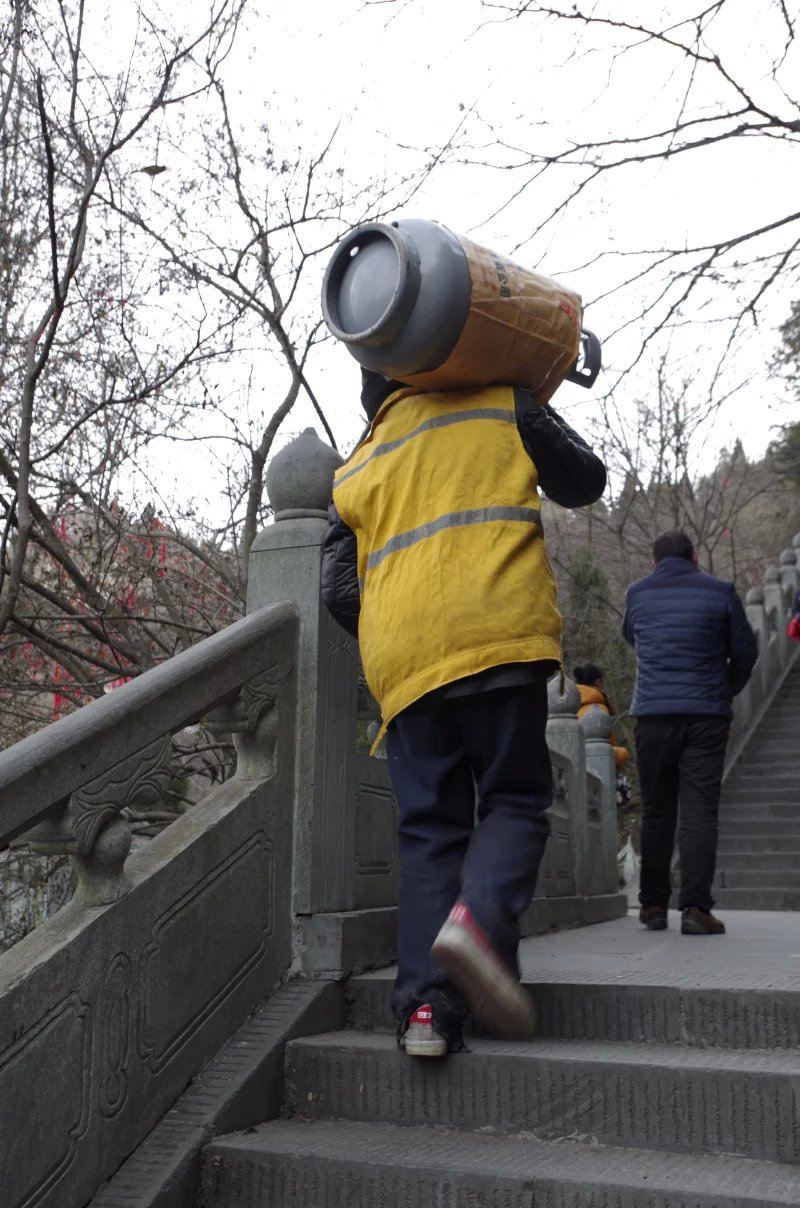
(695, 649)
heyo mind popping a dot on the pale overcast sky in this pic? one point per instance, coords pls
(404, 74)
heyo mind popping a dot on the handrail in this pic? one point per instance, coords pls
(769, 608)
(43, 770)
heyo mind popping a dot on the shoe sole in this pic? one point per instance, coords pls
(693, 929)
(661, 925)
(495, 998)
(425, 1048)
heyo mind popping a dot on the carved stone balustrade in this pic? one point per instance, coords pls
(768, 609)
(112, 1005)
(91, 830)
(601, 764)
(345, 874)
(578, 882)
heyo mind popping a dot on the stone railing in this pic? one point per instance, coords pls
(578, 881)
(768, 610)
(110, 1007)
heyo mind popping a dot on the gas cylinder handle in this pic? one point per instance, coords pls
(591, 361)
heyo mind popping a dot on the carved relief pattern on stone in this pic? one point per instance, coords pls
(185, 971)
(252, 719)
(594, 799)
(91, 830)
(376, 829)
(26, 1067)
(140, 780)
(114, 1035)
(556, 876)
(339, 664)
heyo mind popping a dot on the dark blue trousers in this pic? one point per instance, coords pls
(450, 758)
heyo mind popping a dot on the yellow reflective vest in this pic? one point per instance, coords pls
(453, 572)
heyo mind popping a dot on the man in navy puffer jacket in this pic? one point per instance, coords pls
(695, 651)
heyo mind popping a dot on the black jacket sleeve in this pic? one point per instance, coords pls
(742, 645)
(340, 573)
(627, 624)
(569, 472)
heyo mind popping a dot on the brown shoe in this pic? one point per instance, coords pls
(700, 922)
(654, 918)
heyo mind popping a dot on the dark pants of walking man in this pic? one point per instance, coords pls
(681, 760)
(440, 752)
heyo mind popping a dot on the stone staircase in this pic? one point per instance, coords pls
(644, 1089)
(758, 864)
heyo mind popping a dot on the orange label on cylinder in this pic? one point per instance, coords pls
(523, 329)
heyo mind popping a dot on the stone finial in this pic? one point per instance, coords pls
(299, 478)
(788, 558)
(562, 704)
(755, 596)
(596, 724)
(773, 575)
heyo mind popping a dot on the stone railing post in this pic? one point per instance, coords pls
(790, 573)
(285, 565)
(768, 609)
(775, 607)
(565, 736)
(756, 615)
(597, 727)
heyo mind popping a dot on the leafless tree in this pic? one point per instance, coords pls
(80, 391)
(161, 264)
(671, 473)
(683, 59)
(264, 213)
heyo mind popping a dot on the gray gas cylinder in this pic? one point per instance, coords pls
(411, 300)
(398, 295)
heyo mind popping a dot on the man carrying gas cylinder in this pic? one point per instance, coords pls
(435, 558)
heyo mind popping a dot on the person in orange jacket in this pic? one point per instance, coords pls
(589, 679)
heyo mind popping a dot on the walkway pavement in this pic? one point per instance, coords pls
(761, 950)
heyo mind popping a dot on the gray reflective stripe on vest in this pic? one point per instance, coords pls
(453, 520)
(438, 421)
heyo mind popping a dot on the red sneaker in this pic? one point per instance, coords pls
(421, 1038)
(495, 996)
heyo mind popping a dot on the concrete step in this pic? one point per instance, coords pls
(752, 767)
(296, 1164)
(758, 779)
(747, 769)
(759, 859)
(764, 827)
(734, 808)
(738, 1013)
(766, 788)
(782, 780)
(756, 843)
(783, 757)
(783, 718)
(751, 775)
(644, 1095)
(757, 878)
(757, 899)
